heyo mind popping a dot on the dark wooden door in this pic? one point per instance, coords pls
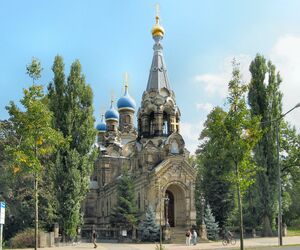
(170, 206)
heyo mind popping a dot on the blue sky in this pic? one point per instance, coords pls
(111, 37)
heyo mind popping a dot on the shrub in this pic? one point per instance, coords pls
(23, 239)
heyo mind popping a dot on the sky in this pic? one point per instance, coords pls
(113, 37)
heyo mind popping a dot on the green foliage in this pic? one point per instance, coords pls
(149, 229)
(34, 128)
(37, 141)
(212, 226)
(17, 189)
(265, 101)
(23, 239)
(290, 145)
(214, 167)
(34, 69)
(71, 103)
(124, 214)
(241, 132)
(290, 153)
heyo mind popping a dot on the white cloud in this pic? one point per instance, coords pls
(190, 133)
(216, 83)
(205, 106)
(285, 54)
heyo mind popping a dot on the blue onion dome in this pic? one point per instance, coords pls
(112, 113)
(101, 127)
(126, 101)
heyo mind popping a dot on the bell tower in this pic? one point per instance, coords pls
(158, 116)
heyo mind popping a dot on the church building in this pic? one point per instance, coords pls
(154, 152)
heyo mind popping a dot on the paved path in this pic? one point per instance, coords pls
(249, 243)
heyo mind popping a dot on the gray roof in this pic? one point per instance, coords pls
(158, 77)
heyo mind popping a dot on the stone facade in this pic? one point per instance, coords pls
(154, 152)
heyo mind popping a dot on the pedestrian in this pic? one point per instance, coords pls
(188, 237)
(194, 236)
(94, 236)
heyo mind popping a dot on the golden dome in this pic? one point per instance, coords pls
(157, 29)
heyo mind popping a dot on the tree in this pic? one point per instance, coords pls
(124, 213)
(72, 105)
(290, 173)
(15, 189)
(212, 226)
(34, 69)
(214, 167)
(37, 139)
(148, 227)
(241, 135)
(264, 99)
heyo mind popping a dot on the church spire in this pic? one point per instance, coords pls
(158, 77)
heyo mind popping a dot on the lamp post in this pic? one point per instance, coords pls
(202, 229)
(276, 121)
(279, 173)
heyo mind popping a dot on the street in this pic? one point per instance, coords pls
(255, 243)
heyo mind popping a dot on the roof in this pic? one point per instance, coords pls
(158, 77)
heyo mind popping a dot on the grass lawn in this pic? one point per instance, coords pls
(293, 231)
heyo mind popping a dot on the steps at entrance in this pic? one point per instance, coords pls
(178, 235)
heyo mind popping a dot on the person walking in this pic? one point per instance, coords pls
(188, 237)
(194, 237)
(94, 236)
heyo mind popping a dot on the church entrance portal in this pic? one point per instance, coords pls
(174, 209)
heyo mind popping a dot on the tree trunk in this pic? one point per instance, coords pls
(266, 226)
(240, 208)
(36, 229)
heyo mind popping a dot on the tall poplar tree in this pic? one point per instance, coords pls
(264, 98)
(72, 104)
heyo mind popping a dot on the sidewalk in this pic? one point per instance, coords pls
(255, 242)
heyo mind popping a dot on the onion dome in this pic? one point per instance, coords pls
(112, 114)
(101, 127)
(157, 30)
(126, 102)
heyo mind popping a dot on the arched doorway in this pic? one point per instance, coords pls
(175, 208)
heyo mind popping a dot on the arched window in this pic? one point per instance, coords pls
(139, 201)
(151, 124)
(165, 124)
(103, 177)
(174, 147)
(102, 208)
(107, 207)
(127, 119)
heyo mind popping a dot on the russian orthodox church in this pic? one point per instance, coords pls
(154, 152)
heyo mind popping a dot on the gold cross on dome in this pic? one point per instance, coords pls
(157, 9)
(126, 80)
(175, 124)
(112, 97)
